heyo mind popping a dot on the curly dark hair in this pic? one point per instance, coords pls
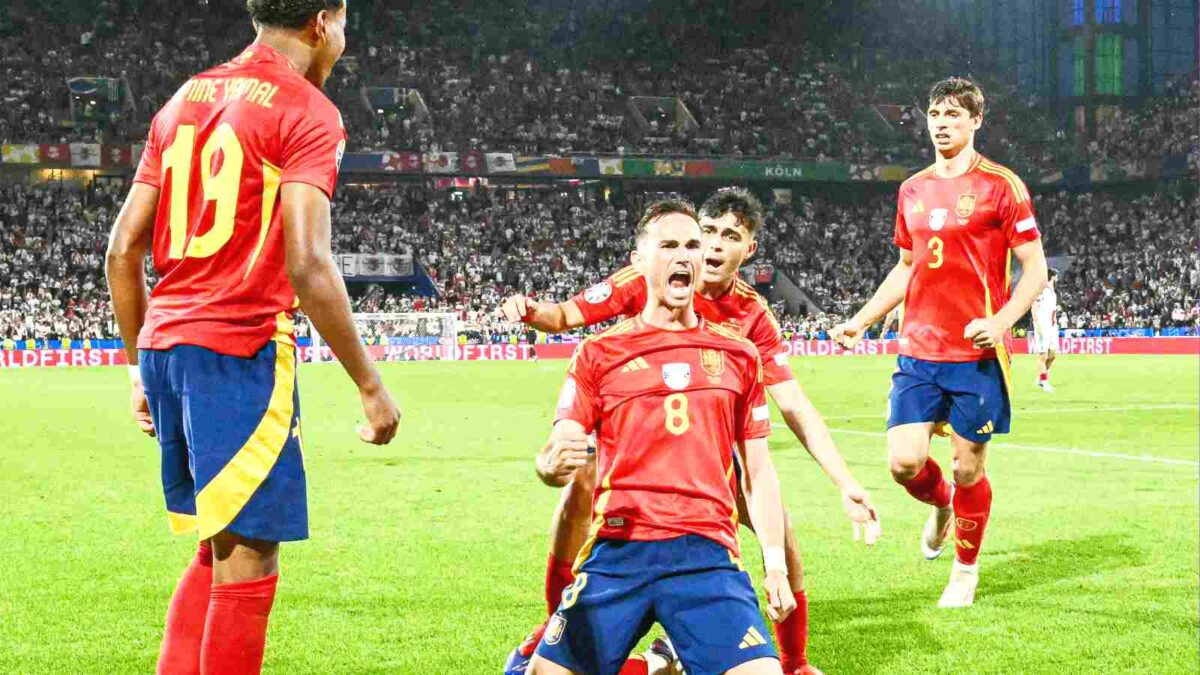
(288, 13)
(960, 91)
(740, 202)
(660, 208)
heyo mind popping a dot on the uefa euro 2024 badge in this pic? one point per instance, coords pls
(598, 293)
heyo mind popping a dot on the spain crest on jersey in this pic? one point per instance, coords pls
(965, 205)
(677, 375)
(713, 363)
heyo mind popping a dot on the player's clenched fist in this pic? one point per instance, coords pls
(383, 416)
(847, 334)
(567, 452)
(780, 601)
(517, 308)
(985, 333)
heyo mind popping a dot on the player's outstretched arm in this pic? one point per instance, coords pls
(124, 267)
(564, 453)
(760, 484)
(889, 294)
(812, 432)
(322, 293)
(548, 317)
(987, 332)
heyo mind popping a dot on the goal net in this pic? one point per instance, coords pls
(407, 336)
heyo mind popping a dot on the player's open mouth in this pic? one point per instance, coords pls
(941, 137)
(680, 279)
(713, 263)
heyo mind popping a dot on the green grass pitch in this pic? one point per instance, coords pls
(427, 556)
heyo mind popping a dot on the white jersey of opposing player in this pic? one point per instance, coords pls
(1045, 325)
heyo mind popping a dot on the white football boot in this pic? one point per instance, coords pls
(960, 591)
(937, 529)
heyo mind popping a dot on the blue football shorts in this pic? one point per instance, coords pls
(971, 396)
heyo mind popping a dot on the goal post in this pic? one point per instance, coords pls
(401, 336)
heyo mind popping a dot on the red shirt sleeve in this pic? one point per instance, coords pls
(1016, 214)
(149, 169)
(764, 333)
(622, 294)
(754, 417)
(579, 399)
(901, 236)
(313, 148)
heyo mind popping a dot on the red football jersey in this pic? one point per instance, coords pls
(960, 231)
(667, 408)
(219, 151)
(742, 310)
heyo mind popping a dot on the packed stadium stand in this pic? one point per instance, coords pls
(469, 76)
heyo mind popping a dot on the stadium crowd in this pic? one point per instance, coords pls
(486, 85)
(1129, 260)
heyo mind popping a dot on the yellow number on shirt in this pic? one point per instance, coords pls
(936, 245)
(221, 187)
(676, 406)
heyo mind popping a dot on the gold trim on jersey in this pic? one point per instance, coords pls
(272, 175)
(597, 520)
(622, 327)
(1019, 191)
(725, 332)
(625, 275)
(747, 291)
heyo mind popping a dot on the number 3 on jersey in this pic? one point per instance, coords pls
(676, 407)
(936, 247)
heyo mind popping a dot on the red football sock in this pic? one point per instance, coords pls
(180, 650)
(928, 485)
(1043, 377)
(236, 632)
(792, 636)
(558, 577)
(636, 665)
(972, 506)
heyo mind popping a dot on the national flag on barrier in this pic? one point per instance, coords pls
(612, 167)
(472, 161)
(562, 166)
(501, 162)
(668, 168)
(586, 166)
(55, 153)
(19, 154)
(441, 162)
(527, 164)
(116, 155)
(401, 162)
(699, 168)
(85, 154)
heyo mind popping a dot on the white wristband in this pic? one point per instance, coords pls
(135, 373)
(774, 559)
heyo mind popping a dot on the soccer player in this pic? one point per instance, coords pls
(232, 198)
(669, 395)
(958, 223)
(1044, 340)
(729, 220)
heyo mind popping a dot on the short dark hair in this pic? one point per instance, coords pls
(660, 208)
(1051, 273)
(740, 202)
(288, 13)
(960, 91)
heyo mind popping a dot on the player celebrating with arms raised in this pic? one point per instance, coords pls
(669, 396)
(728, 223)
(957, 223)
(232, 196)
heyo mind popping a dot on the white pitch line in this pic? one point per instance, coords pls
(1055, 411)
(1041, 448)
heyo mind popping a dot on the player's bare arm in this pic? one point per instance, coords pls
(761, 485)
(565, 453)
(987, 332)
(889, 294)
(323, 298)
(548, 317)
(812, 432)
(125, 270)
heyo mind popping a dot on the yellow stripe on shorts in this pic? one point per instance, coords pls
(227, 494)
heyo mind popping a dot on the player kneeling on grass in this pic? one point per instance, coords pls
(729, 220)
(957, 223)
(240, 231)
(674, 402)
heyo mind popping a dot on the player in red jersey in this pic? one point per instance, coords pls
(729, 221)
(669, 396)
(958, 223)
(232, 197)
